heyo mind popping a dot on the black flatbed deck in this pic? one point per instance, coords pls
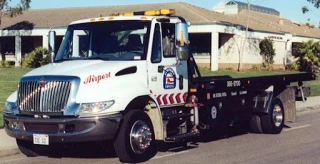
(226, 82)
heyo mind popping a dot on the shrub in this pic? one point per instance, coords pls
(36, 58)
(7, 64)
(294, 66)
(11, 63)
(229, 69)
(256, 67)
(45, 60)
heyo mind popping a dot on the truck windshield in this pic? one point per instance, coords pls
(109, 40)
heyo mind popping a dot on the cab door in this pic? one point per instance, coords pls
(167, 78)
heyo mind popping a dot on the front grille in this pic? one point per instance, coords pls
(50, 97)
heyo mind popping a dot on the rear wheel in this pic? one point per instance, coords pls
(255, 124)
(135, 141)
(273, 122)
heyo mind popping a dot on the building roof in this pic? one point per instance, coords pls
(252, 5)
(46, 18)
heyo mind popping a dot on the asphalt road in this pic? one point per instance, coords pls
(298, 143)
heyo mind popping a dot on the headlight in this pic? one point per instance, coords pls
(92, 108)
(9, 106)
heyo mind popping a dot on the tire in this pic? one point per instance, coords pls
(273, 122)
(132, 149)
(255, 124)
(26, 147)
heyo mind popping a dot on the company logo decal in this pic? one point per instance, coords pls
(169, 79)
(214, 112)
(96, 78)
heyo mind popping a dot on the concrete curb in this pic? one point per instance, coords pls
(306, 110)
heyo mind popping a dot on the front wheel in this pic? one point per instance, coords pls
(135, 141)
(273, 122)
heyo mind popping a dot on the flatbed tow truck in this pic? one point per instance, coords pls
(131, 78)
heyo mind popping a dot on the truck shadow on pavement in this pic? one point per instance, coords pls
(79, 150)
(105, 149)
(238, 129)
(206, 136)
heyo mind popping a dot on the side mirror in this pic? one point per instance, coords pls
(182, 39)
(182, 53)
(52, 49)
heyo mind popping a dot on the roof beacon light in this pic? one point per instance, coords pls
(161, 12)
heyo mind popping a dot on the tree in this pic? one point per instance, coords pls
(12, 11)
(267, 51)
(309, 55)
(315, 3)
(6, 9)
(245, 38)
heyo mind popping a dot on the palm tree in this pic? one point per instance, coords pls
(309, 55)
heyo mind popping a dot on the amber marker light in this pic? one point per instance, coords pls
(182, 38)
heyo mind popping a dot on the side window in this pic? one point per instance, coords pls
(156, 45)
(168, 39)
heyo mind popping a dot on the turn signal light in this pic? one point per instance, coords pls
(193, 90)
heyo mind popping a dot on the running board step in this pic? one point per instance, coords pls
(182, 137)
(174, 116)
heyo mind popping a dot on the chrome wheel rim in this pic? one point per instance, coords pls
(277, 116)
(140, 137)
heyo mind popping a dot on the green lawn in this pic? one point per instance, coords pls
(9, 78)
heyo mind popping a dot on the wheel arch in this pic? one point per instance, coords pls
(150, 106)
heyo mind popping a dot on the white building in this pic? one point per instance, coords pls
(216, 38)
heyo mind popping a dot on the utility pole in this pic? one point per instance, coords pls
(245, 38)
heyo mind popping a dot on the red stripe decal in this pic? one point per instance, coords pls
(185, 96)
(178, 98)
(159, 99)
(164, 98)
(171, 99)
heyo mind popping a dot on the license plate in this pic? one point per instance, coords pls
(40, 139)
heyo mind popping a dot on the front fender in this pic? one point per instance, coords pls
(13, 97)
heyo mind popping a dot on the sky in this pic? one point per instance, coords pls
(290, 9)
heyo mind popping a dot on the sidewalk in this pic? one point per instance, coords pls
(9, 147)
(311, 103)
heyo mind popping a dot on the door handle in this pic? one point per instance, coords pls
(180, 82)
(160, 68)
